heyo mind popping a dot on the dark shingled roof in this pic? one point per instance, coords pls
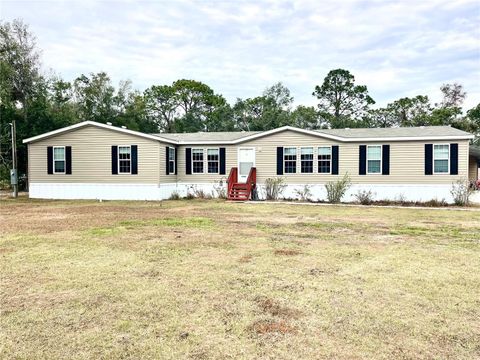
(401, 132)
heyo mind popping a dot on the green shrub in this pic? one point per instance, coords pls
(337, 189)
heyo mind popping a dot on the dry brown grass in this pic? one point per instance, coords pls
(216, 280)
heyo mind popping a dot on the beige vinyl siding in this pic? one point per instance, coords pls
(473, 169)
(230, 159)
(91, 158)
(406, 161)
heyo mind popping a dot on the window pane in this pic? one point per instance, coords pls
(197, 154)
(213, 167)
(171, 154)
(198, 166)
(245, 167)
(441, 166)
(59, 153)
(124, 166)
(290, 167)
(212, 154)
(290, 151)
(374, 166)
(307, 166)
(374, 152)
(324, 167)
(171, 167)
(59, 166)
(124, 154)
(440, 151)
(324, 150)
(306, 151)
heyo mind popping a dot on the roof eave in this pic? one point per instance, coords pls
(99, 125)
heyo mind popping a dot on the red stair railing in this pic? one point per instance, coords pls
(232, 179)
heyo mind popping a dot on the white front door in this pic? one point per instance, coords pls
(246, 160)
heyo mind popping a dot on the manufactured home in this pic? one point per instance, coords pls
(91, 160)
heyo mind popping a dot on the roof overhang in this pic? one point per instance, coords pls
(326, 136)
(246, 138)
(474, 151)
(99, 125)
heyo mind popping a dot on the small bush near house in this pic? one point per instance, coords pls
(337, 189)
(194, 192)
(219, 190)
(364, 197)
(401, 198)
(461, 191)
(434, 203)
(174, 196)
(304, 194)
(274, 188)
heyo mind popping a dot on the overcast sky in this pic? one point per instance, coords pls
(396, 48)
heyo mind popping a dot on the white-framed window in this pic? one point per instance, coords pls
(306, 160)
(213, 161)
(171, 160)
(325, 159)
(374, 159)
(289, 160)
(441, 158)
(59, 159)
(124, 159)
(197, 161)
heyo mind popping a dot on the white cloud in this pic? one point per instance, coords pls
(239, 48)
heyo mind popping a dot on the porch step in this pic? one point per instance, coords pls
(239, 192)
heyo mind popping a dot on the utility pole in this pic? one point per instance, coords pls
(14, 175)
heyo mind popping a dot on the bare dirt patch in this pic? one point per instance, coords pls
(287, 252)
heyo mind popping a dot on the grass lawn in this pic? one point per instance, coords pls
(215, 280)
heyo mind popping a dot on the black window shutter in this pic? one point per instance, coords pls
(68, 160)
(386, 160)
(134, 154)
(453, 159)
(188, 161)
(50, 159)
(335, 160)
(222, 161)
(428, 159)
(114, 160)
(167, 160)
(176, 161)
(362, 161)
(279, 160)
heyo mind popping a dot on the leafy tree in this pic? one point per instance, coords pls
(382, 117)
(19, 79)
(453, 95)
(161, 107)
(411, 111)
(342, 102)
(307, 117)
(95, 97)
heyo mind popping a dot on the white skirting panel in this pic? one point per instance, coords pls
(116, 191)
(394, 192)
(410, 192)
